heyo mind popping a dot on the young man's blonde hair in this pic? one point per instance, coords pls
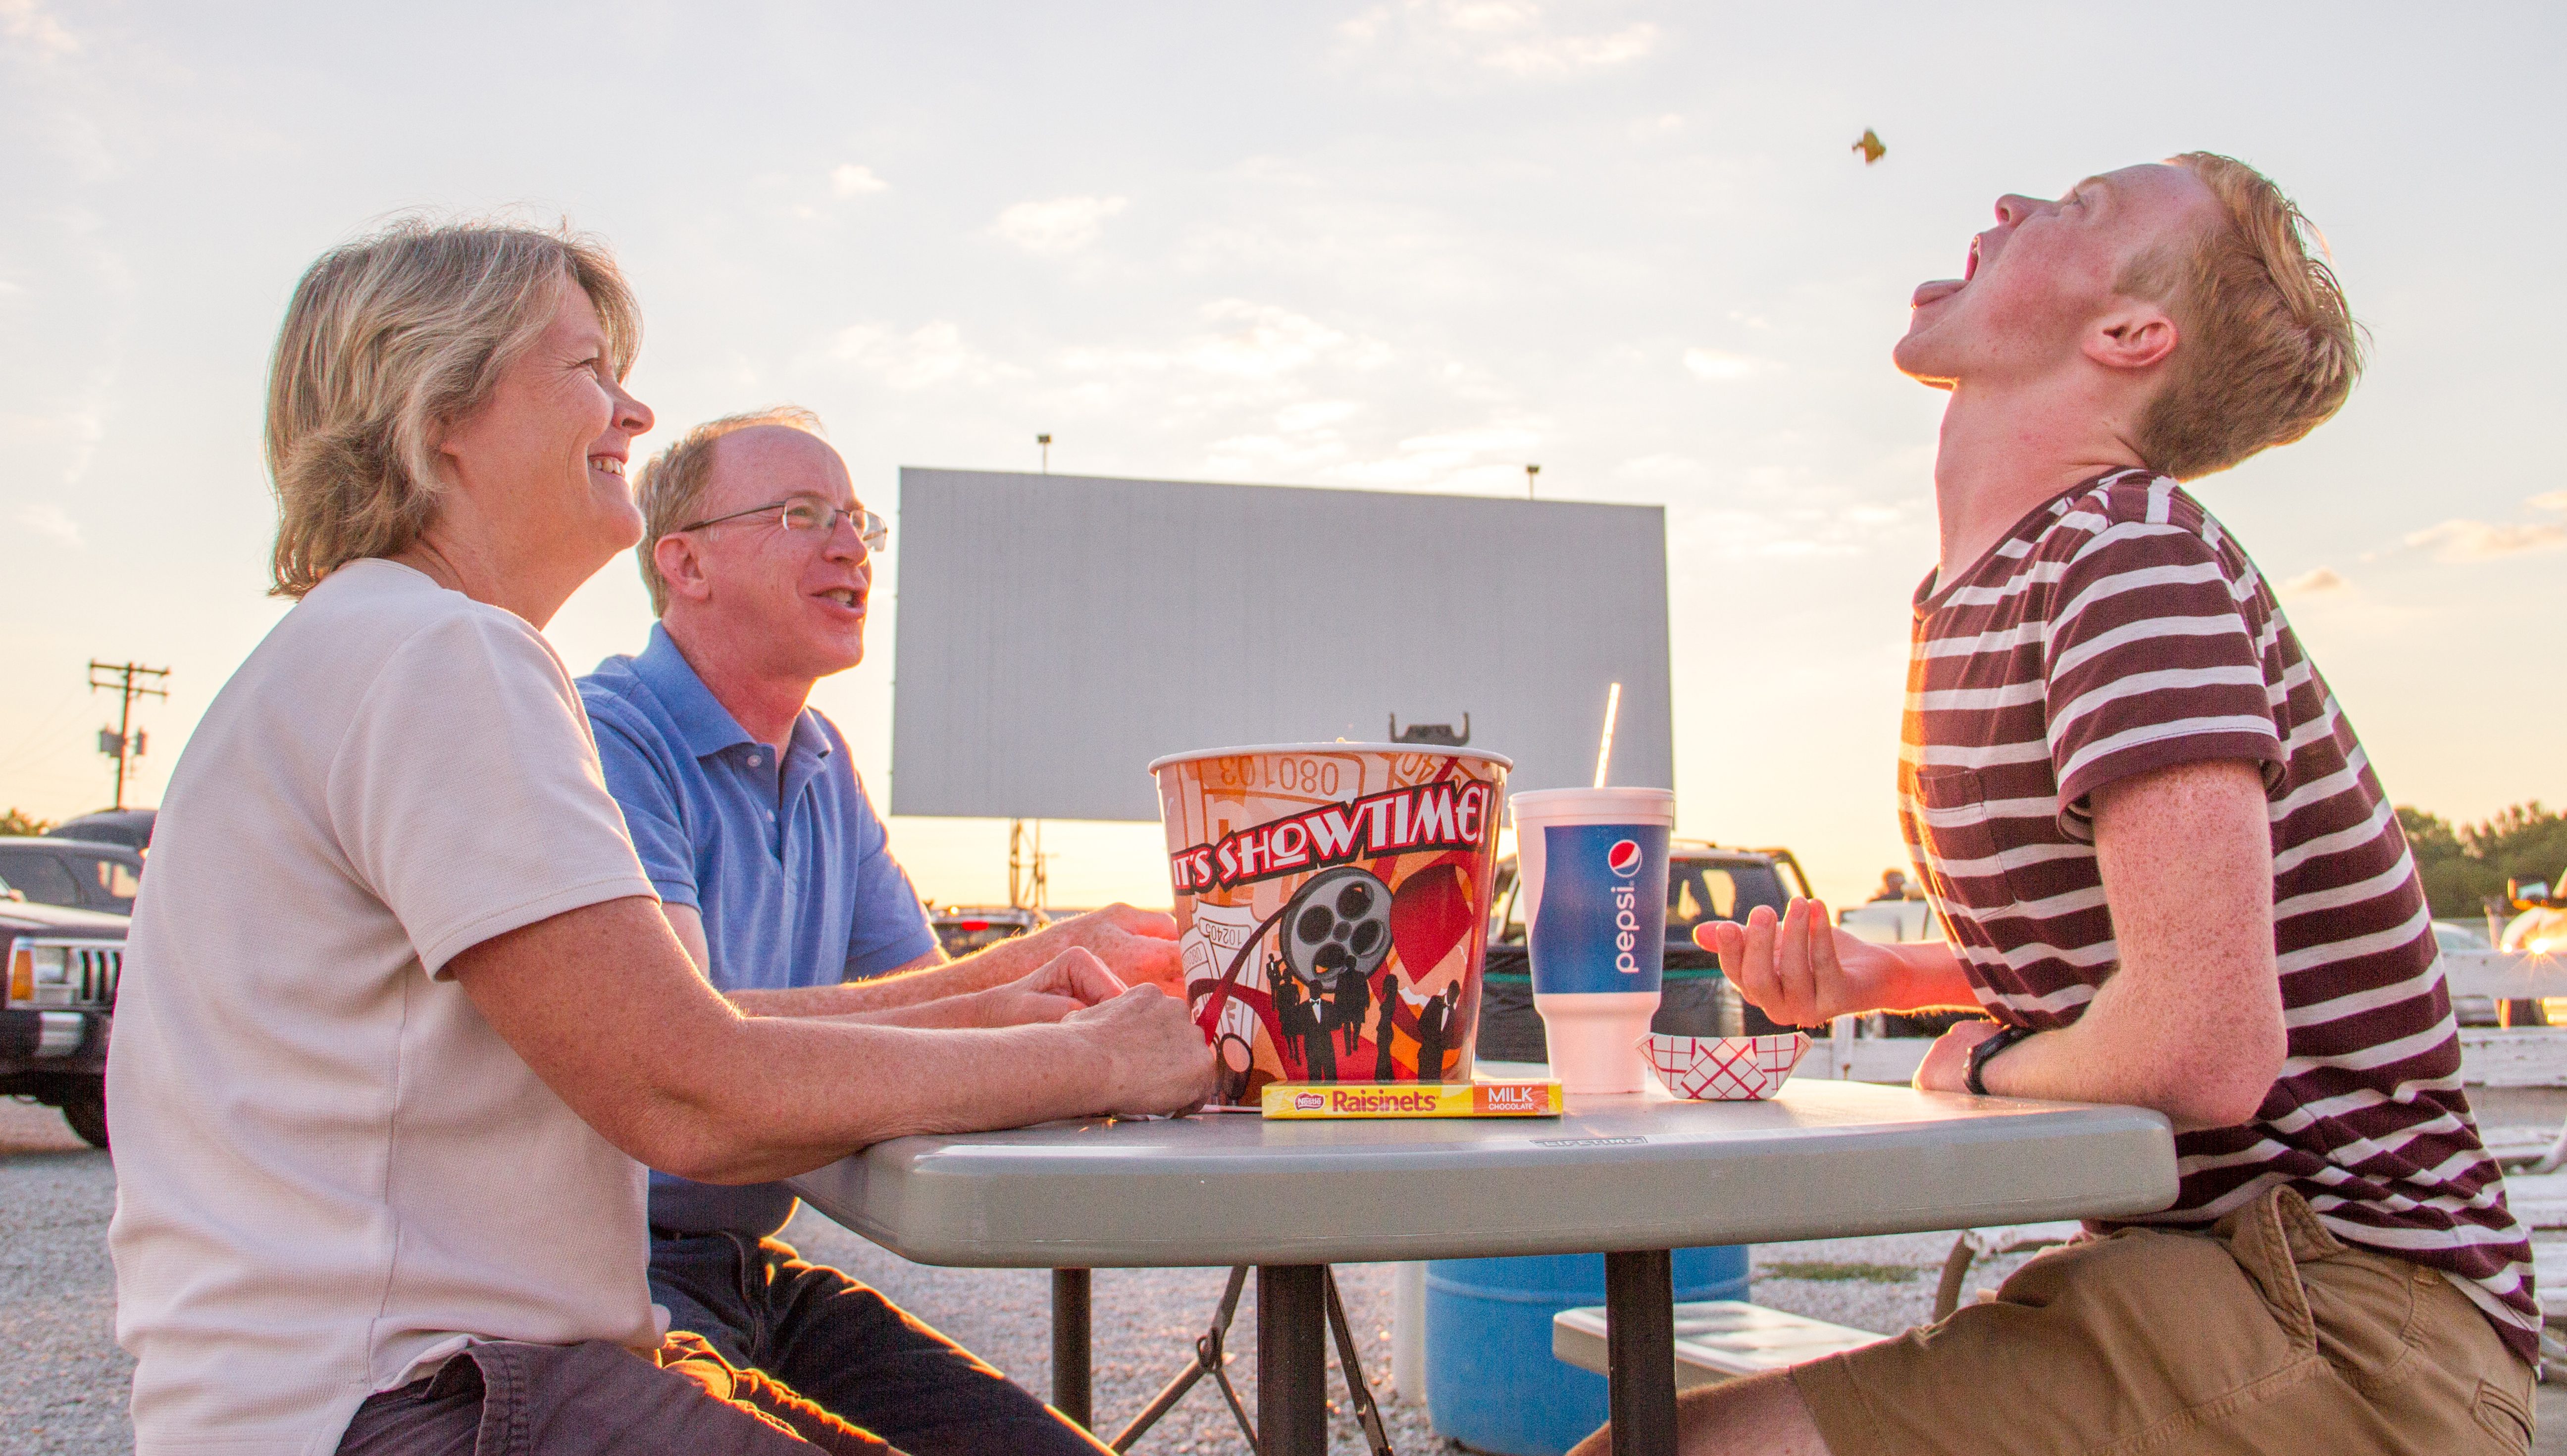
(670, 489)
(388, 341)
(2266, 346)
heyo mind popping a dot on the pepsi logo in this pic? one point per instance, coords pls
(1623, 858)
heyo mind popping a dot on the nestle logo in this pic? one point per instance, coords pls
(1310, 1103)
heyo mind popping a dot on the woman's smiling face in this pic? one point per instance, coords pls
(548, 449)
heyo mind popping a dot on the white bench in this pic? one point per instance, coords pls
(1716, 1341)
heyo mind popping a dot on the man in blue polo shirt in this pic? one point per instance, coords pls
(775, 873)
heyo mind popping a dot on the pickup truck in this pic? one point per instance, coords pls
(60, 1003)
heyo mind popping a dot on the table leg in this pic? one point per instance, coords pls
(1641, 1343)
(1069, 1354)
(1291, 1359)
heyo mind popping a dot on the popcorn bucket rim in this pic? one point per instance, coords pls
(1341, 746)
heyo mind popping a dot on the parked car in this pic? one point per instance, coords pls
(2468, 1011)
(128, 827)
(59, 1008)
(961, 929)
(1705, 882)
(72, 872)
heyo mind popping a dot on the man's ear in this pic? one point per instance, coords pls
(2134, 334)
(682, 571)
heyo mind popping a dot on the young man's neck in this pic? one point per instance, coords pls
(764, 706)
(2005, 451)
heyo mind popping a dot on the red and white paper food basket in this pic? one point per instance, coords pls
(1724, 1069)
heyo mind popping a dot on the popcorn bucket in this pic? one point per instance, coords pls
(1333, 905)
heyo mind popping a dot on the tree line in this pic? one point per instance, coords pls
(2465, 865)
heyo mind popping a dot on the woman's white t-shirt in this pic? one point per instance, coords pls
(330, 1173)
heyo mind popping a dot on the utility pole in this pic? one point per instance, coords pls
(1029, 888)
(1529, 472)
(1046, 441)
(124, 743)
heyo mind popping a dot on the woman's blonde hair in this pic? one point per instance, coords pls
(390, 340)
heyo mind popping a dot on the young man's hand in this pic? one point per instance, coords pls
(1801, 970)
(1946, 1068)
(1138, 946)
(1152, 1058)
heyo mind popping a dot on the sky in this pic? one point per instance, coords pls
(1410, 245)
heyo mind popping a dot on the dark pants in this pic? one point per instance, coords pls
(505, 1398)
(848, 1349)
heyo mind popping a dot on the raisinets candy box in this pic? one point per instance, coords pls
(1332, 903)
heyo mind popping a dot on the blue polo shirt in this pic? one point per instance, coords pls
(787, 863)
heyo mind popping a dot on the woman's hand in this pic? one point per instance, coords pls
(1801, 970)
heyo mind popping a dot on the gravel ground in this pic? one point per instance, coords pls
(63, 1382)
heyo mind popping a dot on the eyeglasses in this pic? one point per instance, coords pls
(812, 518)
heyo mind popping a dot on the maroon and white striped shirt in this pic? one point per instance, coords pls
(2118, 630)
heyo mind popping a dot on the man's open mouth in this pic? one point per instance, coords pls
(1970, 268)
(852, 601)
(609, 463)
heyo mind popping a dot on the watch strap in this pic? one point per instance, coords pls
(1986, 1051)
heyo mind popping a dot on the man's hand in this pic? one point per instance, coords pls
(1803, 971)
(1946, 1068)
(1138, 946)
(1069, 981)
(1151, 1058)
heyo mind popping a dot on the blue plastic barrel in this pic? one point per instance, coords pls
(1492, 1382)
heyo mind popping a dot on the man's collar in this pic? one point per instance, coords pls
(707, 726)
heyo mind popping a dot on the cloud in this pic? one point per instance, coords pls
(851, 181)
(932, 354)
(26, 20)
(1059, 225)
(1504, 36)
(48, 519)
(1451, 455)
(2460, 540)
(1248, 341)
(1720, 368)
(2456, 542)
(2324, 581)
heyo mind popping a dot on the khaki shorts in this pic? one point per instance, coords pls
(2267, 1334)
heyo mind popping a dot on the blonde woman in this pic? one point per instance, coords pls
(401, 1013)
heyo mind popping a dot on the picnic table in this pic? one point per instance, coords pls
(1631, 1176)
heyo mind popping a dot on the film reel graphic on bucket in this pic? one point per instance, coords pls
(1338, 925)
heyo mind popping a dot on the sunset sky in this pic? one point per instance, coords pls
(1395, 245)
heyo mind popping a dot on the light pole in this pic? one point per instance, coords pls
(1046, 441)
(1529, 472)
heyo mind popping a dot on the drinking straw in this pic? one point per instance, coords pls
(1604, 750)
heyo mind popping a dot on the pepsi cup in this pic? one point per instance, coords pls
(1593, 863)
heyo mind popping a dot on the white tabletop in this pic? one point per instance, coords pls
(1823, 1159)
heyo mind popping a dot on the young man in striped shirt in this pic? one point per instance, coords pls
(2169, 875)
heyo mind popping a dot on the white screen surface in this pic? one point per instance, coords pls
(1057, 633)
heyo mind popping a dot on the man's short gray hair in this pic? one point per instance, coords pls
(670, 489)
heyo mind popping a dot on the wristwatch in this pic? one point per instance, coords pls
(1986, 1051)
